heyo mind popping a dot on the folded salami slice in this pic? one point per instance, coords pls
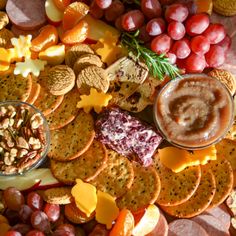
(127, 135)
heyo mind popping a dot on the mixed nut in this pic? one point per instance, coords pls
(22, 138)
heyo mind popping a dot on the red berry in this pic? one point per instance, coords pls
(161, 44)
(176, 30)
(195, 63)
(215, 57)
(177, 12)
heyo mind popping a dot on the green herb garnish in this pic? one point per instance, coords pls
(158, 65)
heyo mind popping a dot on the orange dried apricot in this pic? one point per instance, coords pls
(203, 6)
(61, 4)
(73, 14)
(47, 37)
(77, 34)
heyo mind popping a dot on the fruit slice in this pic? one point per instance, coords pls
(73, 14)
(148, 221)
(54, 55)
(47, 37)
(77, 34)
(124, 224)
(203, 6)
(61, 4)
(98, 28)
(53, 14)
(30, 179)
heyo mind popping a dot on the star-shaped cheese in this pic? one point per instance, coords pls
(29, 66)
(108, 49)
(94, 100)
(22, 46)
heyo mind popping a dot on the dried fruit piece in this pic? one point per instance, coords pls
(5, 58)
(73, 14)
(4, 20)
(5, 38)
(77, 34)
(61, 4)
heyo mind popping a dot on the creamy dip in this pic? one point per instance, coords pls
(194, 112)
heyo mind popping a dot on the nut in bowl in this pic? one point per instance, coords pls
(24, 137)
(194, 112)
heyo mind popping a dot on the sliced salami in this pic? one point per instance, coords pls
(186, 227)
(127, 135)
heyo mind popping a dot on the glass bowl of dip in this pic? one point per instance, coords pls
(194, 111)
(24, 138)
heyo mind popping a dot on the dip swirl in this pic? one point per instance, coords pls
(194, 112)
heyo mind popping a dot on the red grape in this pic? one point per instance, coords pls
(200, 45)
(35, 233)
(156, 26)
(12, 216)
(35, 201)
(181, 48)
(25, 213)
(95, 10)
(176, 30)
(216, 56)
(132, 20)
(215, 33)
(225, 43)
(161, 44)
(39, 220)
(115, 10)
(13, 233)
(52, 211)
(64, 230)
(177, 12)
(103, 4)
(118, 24)
(151, 8)
(195, 63)
(22, 228)
(13, 198)
(143, 34)
(197, 24)
(172, 57)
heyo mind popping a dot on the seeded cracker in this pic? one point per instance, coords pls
(58, 195)
(200, 200)
(46, 102)
(117, 177)
(227, 149)
(72, 140)
(223, 173)
(85, 167)
(15, 87)
(34, 93)
(66, 112)
(176, 187)
(75, 51)
(232, 132)
(144, 190)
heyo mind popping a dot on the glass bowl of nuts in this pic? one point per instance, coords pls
(24, 138)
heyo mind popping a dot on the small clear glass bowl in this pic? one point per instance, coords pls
(45, 134)
(200, 143)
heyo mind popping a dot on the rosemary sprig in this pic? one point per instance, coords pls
(158, 65)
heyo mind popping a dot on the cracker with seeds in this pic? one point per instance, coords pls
(200, 200)
(176, 187)
(227, 149)
(117, 177)
(72, 140)
(223, 173)
(85, 167)
(15, 87)
(58, 195)
(143, 191)
(66, 112)
(232, 132)
(34, 93)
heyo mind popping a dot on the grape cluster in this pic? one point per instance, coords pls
(30, 216)
(191, 41)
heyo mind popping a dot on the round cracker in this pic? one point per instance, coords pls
(200, 200)
(143, 191)
(232, 132)
(15, 87)
(223, 173)
(176, 187)
(72, 140)
(66, 112)
(117, 177)
(34, 93)
(46, 102)
(86, 167)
